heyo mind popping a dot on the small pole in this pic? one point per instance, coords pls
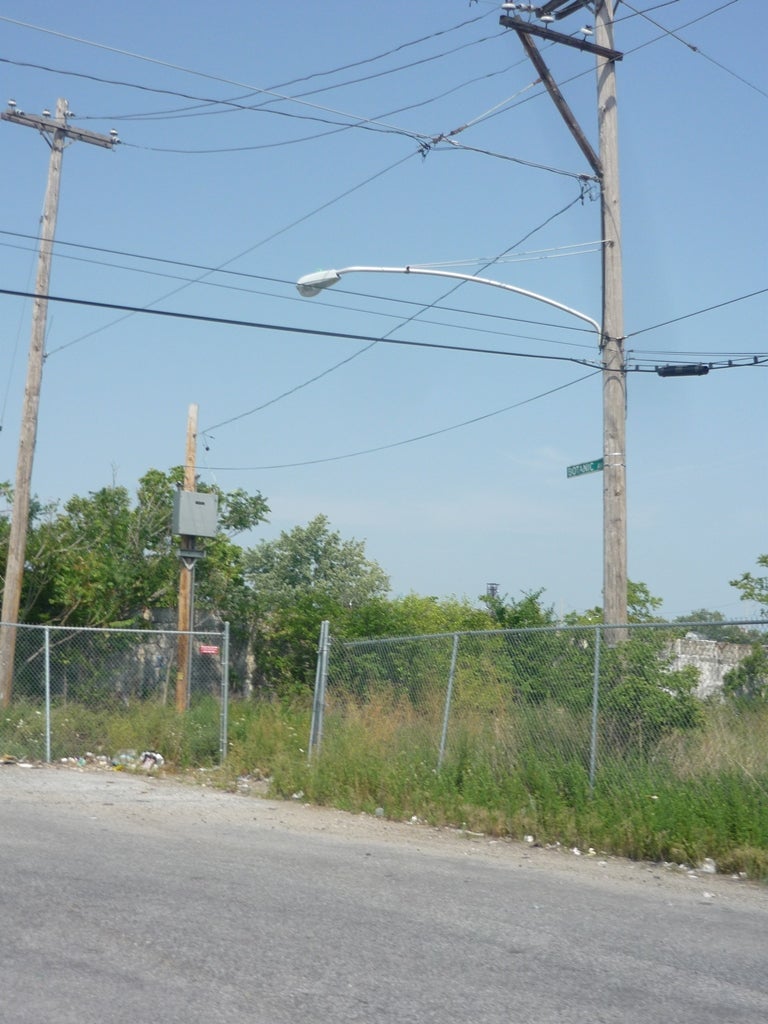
(224, 714)
(186, 575)
(448, 698)
(595, 699)
(47, 655)
(314, 723)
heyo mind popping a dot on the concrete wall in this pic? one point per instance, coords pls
(712, 658)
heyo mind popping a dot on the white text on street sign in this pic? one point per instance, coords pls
(585, 467)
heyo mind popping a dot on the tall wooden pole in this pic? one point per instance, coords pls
(17, 541)
(56, 131)
(186, 572)
(614, 374)
(606, 168)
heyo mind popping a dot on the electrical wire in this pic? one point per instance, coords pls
(628, 52)
(388, 336)
(552, 252)
(695, 49)
(317, 135)
(288, 98)
(283, 85)
(577, 175)
(408, 440)
(388, 71)
(14, 352)
(354, 121)
(290, 298)
(284, 328)
(697, 312)
(252, 248)
(374, 124)
(481, 314)
(273, 95)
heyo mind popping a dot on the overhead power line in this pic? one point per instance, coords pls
(425, 141)
(698, 312)
(252, 248)
(257, 325)
(353, 120)
(674, 34)
(478, 314)
(407, 440)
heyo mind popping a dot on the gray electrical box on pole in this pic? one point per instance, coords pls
(56, 132)
(195, 513)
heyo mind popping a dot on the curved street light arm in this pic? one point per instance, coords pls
(312, 284)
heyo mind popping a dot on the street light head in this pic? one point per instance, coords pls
(312, 284)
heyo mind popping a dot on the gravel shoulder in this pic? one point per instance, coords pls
(140, 801)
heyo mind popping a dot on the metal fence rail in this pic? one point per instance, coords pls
(106, 671)
(587, 697)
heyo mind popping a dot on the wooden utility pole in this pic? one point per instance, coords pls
(614, 373)
(56, 132)
(606, 169)
(186, 573)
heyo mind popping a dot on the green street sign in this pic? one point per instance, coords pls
(585, 467)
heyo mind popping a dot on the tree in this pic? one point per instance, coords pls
(306, 575)
(507, 613)
(749, 679)
(641, 607)
(314, 561)
(412, 615)
(42, 549)
(107, 560)
(713, 625)
(754, 588)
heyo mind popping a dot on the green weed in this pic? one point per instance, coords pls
(695, 794)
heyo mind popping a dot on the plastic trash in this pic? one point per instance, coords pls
(151, 759)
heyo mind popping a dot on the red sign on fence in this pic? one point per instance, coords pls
(209, 649)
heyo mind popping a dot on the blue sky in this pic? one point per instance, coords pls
(273, 140)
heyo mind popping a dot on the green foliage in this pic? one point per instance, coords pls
(712, 625)
(749, 679)
(753, 588)
(189, 740)
(510, 614)
(306, 575)
(694, 794)
(642, 697)
(314, 560)
(106, 559)
(642, 606)
(411, 615)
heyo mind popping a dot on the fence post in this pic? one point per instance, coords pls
(318, 701)
(224, 712)
(595, 697)
(47, 659)
(448, 696)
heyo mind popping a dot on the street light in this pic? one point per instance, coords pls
(312, 284)
(614, 491)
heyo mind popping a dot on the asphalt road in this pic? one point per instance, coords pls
(126, 899)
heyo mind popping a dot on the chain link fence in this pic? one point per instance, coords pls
(591, 703)
(104, 693)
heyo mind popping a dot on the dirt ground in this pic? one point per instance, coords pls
(148, 799)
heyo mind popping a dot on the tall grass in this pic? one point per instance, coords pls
(696, 794)
(189, 740)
